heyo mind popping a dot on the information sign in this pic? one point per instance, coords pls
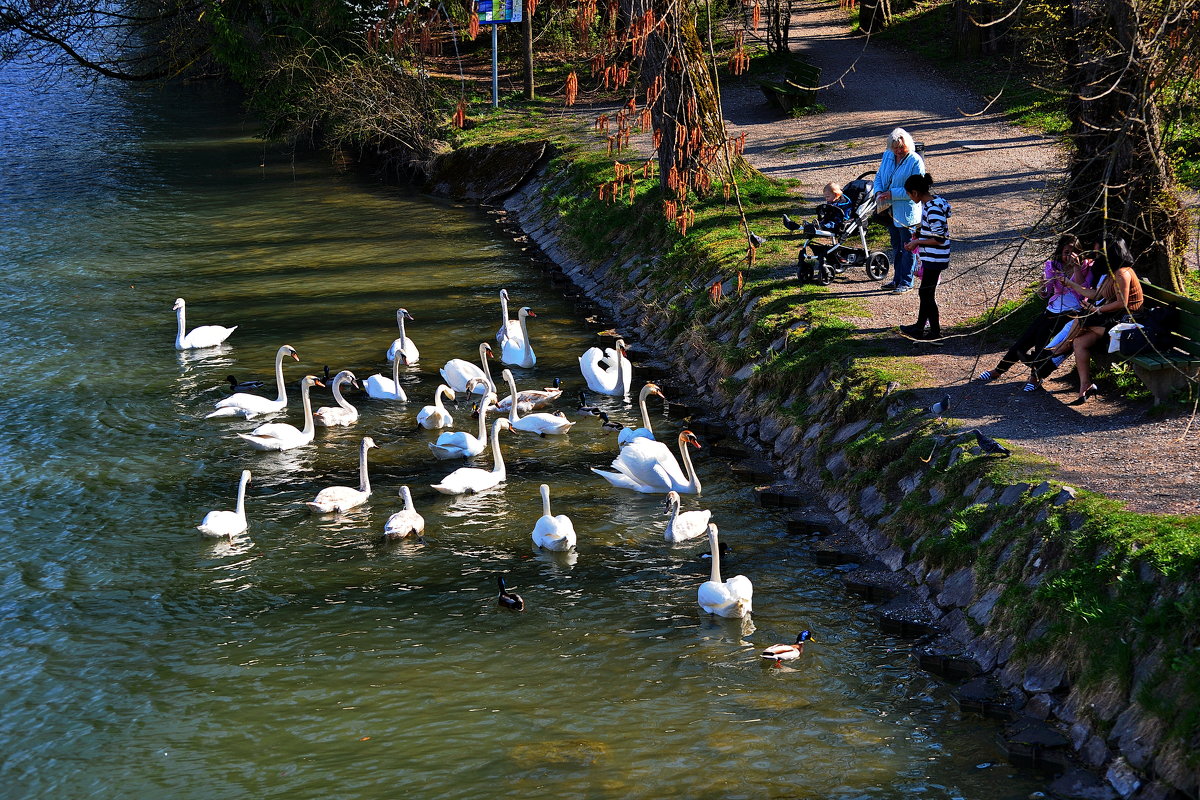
(496, 12)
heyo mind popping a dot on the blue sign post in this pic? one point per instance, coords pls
(496, 13)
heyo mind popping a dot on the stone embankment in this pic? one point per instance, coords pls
(944, 550)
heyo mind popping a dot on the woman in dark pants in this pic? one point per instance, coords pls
(1063, 303)
(933, 239)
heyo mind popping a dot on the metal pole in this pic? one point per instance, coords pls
(495, 66)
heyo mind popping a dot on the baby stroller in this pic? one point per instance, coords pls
(825, 252)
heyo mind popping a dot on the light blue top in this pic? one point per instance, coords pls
(891, 177)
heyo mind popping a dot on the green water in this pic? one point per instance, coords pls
(304, 658)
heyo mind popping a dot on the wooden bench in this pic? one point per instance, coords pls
(1178, 360)
(797, 88)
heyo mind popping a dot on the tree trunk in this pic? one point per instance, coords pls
(527, 46)
(874, 15)
(779, 25)
(1120, 179)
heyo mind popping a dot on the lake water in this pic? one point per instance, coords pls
(304, 658)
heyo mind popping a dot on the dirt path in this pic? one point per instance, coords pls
(995, 175)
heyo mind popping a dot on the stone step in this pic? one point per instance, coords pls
(780, 497)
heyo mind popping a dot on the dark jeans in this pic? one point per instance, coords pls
(902, 260)
(927, 312)
(1041, 361)
(1029, 344)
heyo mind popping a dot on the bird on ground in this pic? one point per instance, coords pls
(685, 525)
(791, 224)
(197, 338)
(243, 386)
(787, 652)
(227, 523)
(990, 446)
(553, 532)
(246, 405)
(506, 599)
(757, 240)
(941, 406)
(335, 499)
(732, 598)
(406, 522)
(282, 436)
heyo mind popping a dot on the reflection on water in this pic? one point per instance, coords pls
(306, 655)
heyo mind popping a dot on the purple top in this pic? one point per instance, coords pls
(1062, 297)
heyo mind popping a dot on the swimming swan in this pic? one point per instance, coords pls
(282, 436)
(404, 523)
(472, 479)
(508, 327)
(204, 336)
(411, 353)
(251, 405)
(343, 498)
(613, 378)
(382, 388)
(517, 351)
(542, 424)
(343, 413)
(433, 417)
(227, 523)
(688, 525)
(550, 532)
(647, 466)
(460, 444)
(533, 399)
(457, 372)
(734, 597)
(627, 435)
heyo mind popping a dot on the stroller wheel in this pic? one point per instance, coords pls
(823, 276)
(878, 266)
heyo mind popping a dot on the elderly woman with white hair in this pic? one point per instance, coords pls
(900, 161)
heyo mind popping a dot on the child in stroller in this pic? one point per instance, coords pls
(844, 214)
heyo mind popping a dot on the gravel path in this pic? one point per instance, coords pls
(996, 177)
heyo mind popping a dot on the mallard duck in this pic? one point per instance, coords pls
(788, 652)
(584, 406)
(243, 386)
(506, 599)
(608, 424)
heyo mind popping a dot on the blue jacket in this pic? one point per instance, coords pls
(891, 177)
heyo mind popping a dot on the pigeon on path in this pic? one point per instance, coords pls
(941, 406)
(990, 446)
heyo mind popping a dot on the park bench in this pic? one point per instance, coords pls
(1178, 360)
(796, 89)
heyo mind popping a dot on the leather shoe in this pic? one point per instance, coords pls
(1083, 398)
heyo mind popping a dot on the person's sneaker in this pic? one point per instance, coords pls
(985, 376)
(913, 331)
(901, 289)
(888, 285)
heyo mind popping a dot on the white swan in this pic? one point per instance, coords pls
(204, 336)
(517, 351)
(247, 405)
(627, 435)
(472, 479)
(551, 532)
(508, 327)
(688, 525)
(227, 523)
(334, 499)
(533, 399)
(647, 466)
(613, 378)
(734, 597)
(541, 423)
(282, 436)
(382, 388)
(436, 416)
(457, 372)
(343, 413)
(406, 522)
(411, 353)
(460, 444)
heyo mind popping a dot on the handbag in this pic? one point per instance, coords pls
(1154, 329)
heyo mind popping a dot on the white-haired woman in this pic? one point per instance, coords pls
(900, 161)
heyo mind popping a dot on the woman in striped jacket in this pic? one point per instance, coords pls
(933, 239)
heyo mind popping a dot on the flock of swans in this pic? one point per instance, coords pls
(643, 464)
